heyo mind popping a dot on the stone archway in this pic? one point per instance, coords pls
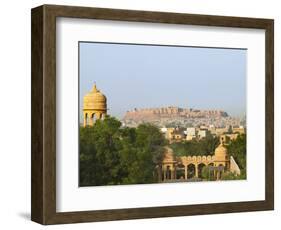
(94, 117)
(220, 171)
(91, 119)
(168, 173)
(191, 170)
(200, 169)
(180, 171)
(102, 116)
(211, 171)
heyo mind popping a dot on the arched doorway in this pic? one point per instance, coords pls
(190, 171)
(93, 118)
(168, 173)
(211, 170)
(102, 116)
(180, 171)
(201, 166)
(220, 171)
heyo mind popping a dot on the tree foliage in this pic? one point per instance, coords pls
(237, 149)
(196, 147)
(233, 176)
(207, 174)
(111, 154)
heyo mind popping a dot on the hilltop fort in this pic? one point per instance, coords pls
(171, 112)
(180, 116)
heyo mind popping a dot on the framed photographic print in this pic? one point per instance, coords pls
(140, 114)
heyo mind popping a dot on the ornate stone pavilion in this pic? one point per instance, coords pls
(190, 167)
(94, 106)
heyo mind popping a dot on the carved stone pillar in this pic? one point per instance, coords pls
(85, 121)
(172, 173)
(218, 175)
(185, 172)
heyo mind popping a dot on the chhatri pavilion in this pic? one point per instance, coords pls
(94, 106)
(188, 167)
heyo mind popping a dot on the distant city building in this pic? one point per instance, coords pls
(212, 129)
(230, 137)
(190, 133)
(240, 130)
(173, 134)
(176, 134)
(164, 130)
(203, 127)
(203, 133)
(169, 133)
(221, 131)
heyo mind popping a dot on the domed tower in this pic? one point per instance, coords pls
(168, 164)
(221, 155)
(94, 106)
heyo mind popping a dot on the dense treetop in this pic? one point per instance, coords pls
(205, 146)
(111, 154)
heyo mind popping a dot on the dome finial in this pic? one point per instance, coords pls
(222, 140)
(95, 87)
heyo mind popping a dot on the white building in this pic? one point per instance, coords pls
(202, 133)
(163, 130)
(190, 133)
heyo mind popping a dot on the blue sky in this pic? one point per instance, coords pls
(143, 76)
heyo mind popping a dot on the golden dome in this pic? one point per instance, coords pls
(221, 152)
(95, 100)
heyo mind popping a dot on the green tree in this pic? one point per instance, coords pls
(99, 160)
(196, 147)
(111, 154)
(207, 173)
(232, 176)
(237, 149)
(147, 153)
